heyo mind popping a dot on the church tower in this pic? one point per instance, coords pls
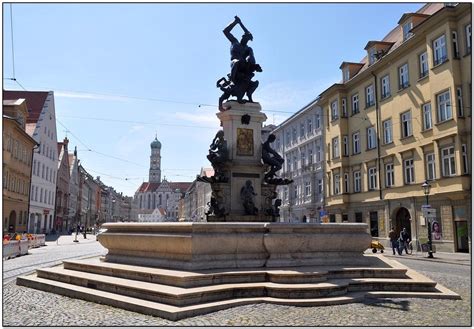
(155, 162)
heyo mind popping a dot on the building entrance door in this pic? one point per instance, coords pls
(31, 225)
(12, 222)
(462, 244)
(402, 220)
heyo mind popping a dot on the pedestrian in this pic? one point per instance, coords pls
(393, 240)
(404, 239)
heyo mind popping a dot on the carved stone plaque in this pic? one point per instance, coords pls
(244, 141)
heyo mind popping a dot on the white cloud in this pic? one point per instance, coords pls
(74, 94)
(206, 117)
(291, 95)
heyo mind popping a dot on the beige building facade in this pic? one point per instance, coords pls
(400, 118)
(16, 166)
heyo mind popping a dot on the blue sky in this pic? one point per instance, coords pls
(123, 72)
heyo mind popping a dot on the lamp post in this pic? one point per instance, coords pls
(426, 189)
(113, 209)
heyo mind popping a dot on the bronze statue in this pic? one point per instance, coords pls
(247, 195)
(216, 206)
(218, 155)
(275, 161)
(242, 65)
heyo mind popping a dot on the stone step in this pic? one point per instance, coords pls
(170, 312)
(367, 273)
(188, 279)
(179, 296)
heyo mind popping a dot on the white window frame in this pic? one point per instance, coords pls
(387, 131)
(406, 124)
(389, 175)
(430, 166)
(372, 178)
(303, 158)
(344, 106)
(318, 151)
(409, 171)
(369, 96)
(406, 30)
(448, 161)
(320, 186)
(454, 35)
(335, 148)
(346, 183)
(465, 160)
(459, 102)
(444, 106)
(318, 120)
(345, 145)
(357, 181)
(310, 125)
(355, 103)
(424, 69)
(403, 77)
(371, 138)
(334, 110)
(337, 184)
(385, 86)
(356, 143)
(302, 130)
(372, 53)
(439, 50)
(345, 74)
(307, 188)
(427, 116)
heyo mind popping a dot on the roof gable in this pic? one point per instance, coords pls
(34, 100)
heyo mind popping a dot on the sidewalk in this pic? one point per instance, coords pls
(66, 239)
(440, 257)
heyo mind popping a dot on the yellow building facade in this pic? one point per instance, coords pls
(399, 118)
(17, 155)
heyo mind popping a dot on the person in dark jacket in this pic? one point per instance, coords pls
(404, 239)
(393, 240)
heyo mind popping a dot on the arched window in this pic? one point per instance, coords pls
(141, 202)
(159, 200)
(154, 200)
(149, 202)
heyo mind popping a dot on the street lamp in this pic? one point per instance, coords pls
(426, 189)
(113, 209)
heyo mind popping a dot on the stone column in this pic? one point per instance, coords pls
(242, 125)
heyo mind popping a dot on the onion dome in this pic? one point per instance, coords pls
(155, 144)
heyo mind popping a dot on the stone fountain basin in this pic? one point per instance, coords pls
(193, 246)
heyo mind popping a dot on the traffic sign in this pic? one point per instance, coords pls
(425, 206)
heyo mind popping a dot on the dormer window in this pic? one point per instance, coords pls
(372, 55)
(406, 30)
(345, 74)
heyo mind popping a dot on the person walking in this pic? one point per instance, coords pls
(393, 240)
(404, 239)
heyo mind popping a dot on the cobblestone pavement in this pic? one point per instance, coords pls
(51, 254)
(26, 307)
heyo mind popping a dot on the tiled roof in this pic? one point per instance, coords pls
(60, 146)
(34, 100)
(395, 36)
(183, 186)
